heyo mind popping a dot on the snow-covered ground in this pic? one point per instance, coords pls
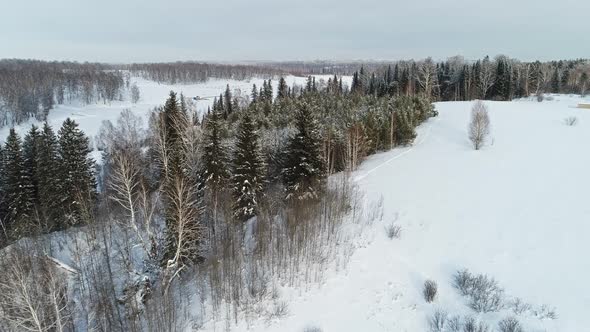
(152, 94)
(517, 210)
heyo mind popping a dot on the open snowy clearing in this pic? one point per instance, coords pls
(153, 94)
(516, 210)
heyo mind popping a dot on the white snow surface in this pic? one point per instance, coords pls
(516, 210)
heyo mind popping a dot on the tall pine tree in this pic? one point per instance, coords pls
(49, 180)
(248, 171)
(78, 169)
(215, 163)
(304, 171)
(283, 89)
(19, 191)
(30, 153)
(3, 207)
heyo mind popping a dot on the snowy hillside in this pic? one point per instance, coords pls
(516, 210)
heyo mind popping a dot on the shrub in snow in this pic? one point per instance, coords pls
(472, 325)
(483, 291)
(280, 309)
(509, 324)
(540, 97)
(438, 321)
(430, 290)
(570, 121)
(479, 126)
(393, 231)
(545, 312)
(462, 281)
(312, 329)
(454, 324)
(518, 306)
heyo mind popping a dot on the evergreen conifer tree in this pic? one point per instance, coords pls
(215, 162)
(403, 120)
(30, 153)
(228, 101)
(283, 89)
(248, 171)
(555, 81)
(49, 183)
(19, 191)
(3, 192)
(304, 170)
(254, 93)
(79, 184)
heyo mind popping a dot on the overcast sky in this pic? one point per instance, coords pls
(232, 30)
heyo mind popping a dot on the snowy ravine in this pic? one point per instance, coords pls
(517, 210)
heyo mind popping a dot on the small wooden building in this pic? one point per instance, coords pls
(584, 105)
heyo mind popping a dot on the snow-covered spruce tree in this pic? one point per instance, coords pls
(48, 175)
(30, 153)
(215, 163)
(77, 174)
(268, 91)
(227, 100)
(172, 119)
(19, 191)
(402, 121)
(3, 207)
(304, 171)
(248, 171)
(283, 89)
(254, 95)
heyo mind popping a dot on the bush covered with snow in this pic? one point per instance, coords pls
(430, 290)
(509, 324)
(483, 291)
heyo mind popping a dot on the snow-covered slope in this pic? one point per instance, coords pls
(517, 210)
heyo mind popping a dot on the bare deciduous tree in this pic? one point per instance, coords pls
(486, 77)
(479, 126)
(33, 294)
(135, 93)
(427, 76)
(187, 229)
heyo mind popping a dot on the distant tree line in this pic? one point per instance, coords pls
(30, 88)
(195, 72)
(501, 78)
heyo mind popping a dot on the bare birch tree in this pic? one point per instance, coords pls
(486, 77)
(33, 296)
(427, 76)
(479, 126)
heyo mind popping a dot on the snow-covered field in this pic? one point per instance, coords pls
(517, 210)
(153, 94)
